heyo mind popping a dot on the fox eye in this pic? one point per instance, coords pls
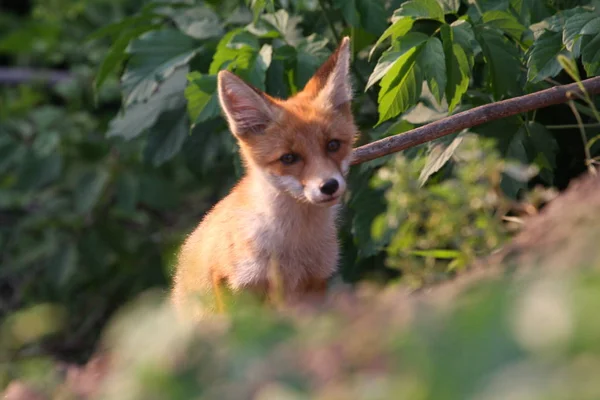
(333, 145)
(288, 158)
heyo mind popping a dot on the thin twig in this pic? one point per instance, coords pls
(471, 118)
(573, 126)
(588, 156)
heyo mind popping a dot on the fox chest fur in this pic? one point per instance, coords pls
(297, 244)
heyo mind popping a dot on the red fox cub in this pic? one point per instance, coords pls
(296, 154)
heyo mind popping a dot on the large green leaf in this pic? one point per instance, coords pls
(573, 31)
(372, 16)
(154, 57)
(503, 63)
(236, 45)
(542, 62)
(401, 86)
(167, 136)
(591, 57)
(348, 9)
(90, 185)
(116, 54)
(450, 6)
(286, 25)
(399, 28)
(389, 58)
(310, 54)
(257, 72)
(433, 64)
(439, 152)
(420, 9)
(141, 116)
(504, 21)
(199, 22)
(457, 68)
(202, 98)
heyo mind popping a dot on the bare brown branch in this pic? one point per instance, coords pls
(473, 117)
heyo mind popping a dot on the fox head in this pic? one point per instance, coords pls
(302, 145)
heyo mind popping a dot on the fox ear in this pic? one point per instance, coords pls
(247, 109)
(330, 86)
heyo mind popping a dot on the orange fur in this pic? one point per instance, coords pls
(277, 212)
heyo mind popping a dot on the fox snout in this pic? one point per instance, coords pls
(325, 191)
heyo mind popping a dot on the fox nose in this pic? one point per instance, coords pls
(329, 187)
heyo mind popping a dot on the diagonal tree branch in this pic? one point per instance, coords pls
(473, 117)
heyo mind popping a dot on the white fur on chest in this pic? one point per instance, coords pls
(297, 245)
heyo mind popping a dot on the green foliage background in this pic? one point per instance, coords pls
(103, 174)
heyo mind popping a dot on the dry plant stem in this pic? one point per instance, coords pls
(471, 118)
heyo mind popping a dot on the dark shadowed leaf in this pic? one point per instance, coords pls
(311, 53)
(457, 68)
(433, 64)
(153, 58)
(542, 62)
(503, 63)
(438, 155)
(116, 54)
(505, 22)
(137, 118)
(167, 136)
(90, 185)
(372, 16)
(199, 22)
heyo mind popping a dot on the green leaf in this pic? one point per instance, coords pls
(202, 98)
(199, 22)
(166, 137)
(438, 155)
(530, 11)
(372, 16)
(116, 54)
(397, 29)
(401, 86)
(420, 9)
(389, 58)
(141, 116)
(542, 62)
(36, 172)
(128, 189)
(311, 53)
(433, 64)
(437, 253)
(256, 75)
(286, 25)
(116, 29)
(457, 67)
(504, 21)
(259, 6)
(503, 62)
(348, 9)
(62, 265)
(591, 57)
(572, 32)
(541, 142)
(450, 6)
(90, 186)
(154, 57)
